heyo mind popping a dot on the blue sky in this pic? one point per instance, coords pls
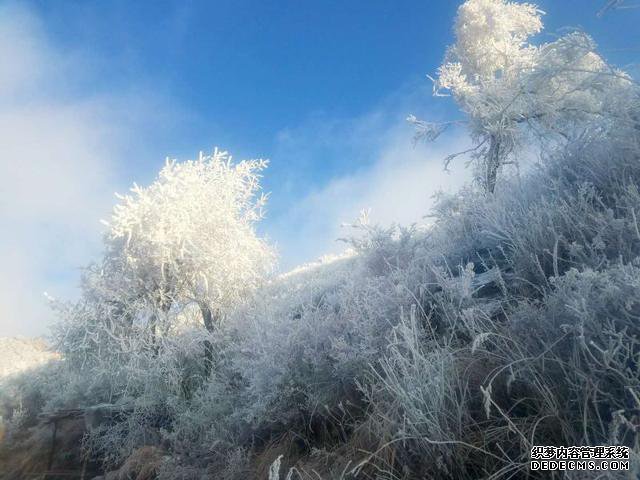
(97, 93)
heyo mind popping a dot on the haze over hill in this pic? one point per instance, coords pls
(19, 354)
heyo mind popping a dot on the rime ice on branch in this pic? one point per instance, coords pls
(187, 239)
(512, 90)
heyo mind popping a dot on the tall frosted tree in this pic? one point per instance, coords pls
(513, 91)
(188, 238)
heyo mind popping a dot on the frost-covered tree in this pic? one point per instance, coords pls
(188, 238)
(512, 90)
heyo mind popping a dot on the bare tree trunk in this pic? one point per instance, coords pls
(207, 317)
(492, 165)
(154, 344)
(165, 306)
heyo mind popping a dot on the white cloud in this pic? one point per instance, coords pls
(58, 169)
(397, 186)
(24, 58)
(360, 163)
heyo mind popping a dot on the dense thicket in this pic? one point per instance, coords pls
(443, 353)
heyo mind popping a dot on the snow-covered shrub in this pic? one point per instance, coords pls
(527, 334)
(318, 328)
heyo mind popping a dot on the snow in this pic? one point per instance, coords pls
(20, 354)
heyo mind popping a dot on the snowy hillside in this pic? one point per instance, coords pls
(20, 354)
(511, 324)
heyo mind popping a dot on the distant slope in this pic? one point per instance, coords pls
(19, 354)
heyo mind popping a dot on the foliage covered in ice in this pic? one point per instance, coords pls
(20, 354)
(441, 353)
(512, 90)
(189, 237)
